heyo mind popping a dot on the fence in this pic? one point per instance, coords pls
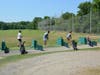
(87, 24)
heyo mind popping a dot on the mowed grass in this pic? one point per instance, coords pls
(10, 36)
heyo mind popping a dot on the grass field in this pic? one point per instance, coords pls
(10, 36)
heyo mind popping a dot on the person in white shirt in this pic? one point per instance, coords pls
(45, 37)
(19, 36)
(69, 36)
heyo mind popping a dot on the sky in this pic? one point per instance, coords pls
(26, 10)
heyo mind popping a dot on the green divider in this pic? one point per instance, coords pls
(94, 43)
(60, 41)
(3, 45)
(65, 44)
(82, 40)
(39, 47)
(36, 46)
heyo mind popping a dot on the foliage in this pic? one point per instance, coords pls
(96, 4)
(21, 24)
(46, 17)
(67, 15)
(84, 8)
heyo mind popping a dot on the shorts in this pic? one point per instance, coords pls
(44, 39)
(20, 40)
(68, 38)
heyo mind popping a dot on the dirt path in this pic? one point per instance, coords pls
(65, 63)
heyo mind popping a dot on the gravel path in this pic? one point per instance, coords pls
(64, 63)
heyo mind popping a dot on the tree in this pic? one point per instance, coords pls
(3, 26)
(46, 17)
(23, 24)
(34, 23)
(96, 5)
(84, 8)
(67, 15)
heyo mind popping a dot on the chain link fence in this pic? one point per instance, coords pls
(89, 23)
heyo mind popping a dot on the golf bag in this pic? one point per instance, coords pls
(22, 48)
(74, 44)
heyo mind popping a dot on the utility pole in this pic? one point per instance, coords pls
(90, 18)
(90, 21)
(72, 23)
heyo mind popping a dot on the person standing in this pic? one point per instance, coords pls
(69, 36)
(46, 37)
(19, 36)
